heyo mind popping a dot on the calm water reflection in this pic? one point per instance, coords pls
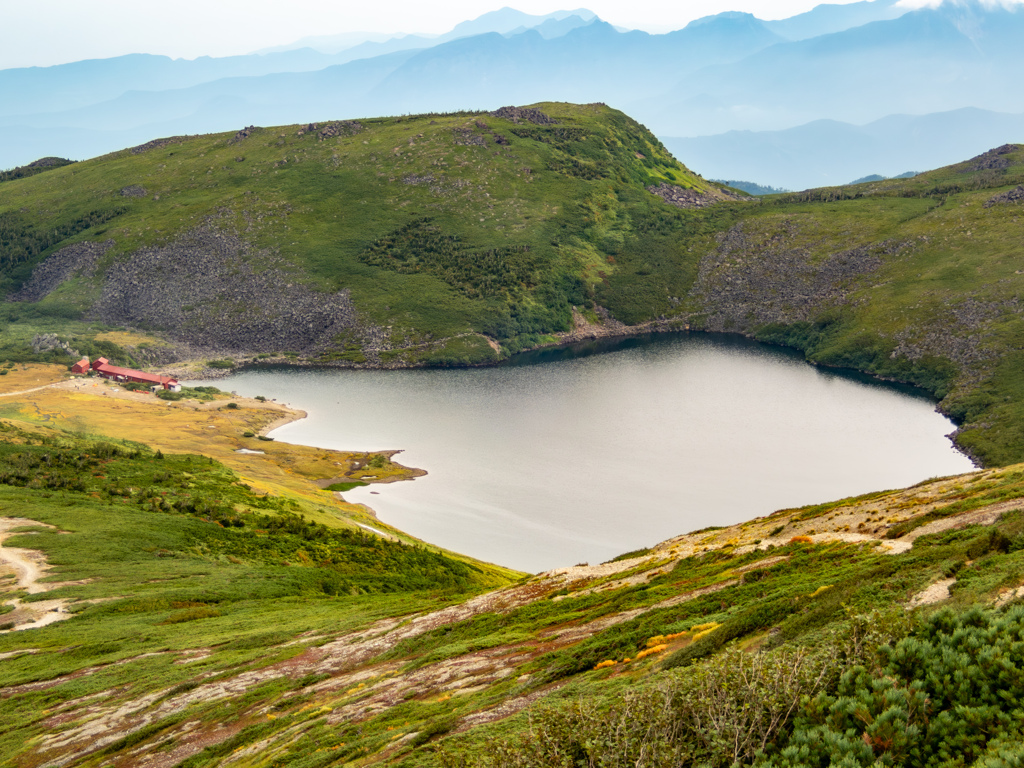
(578, 459)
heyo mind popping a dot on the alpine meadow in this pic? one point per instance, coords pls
(179, 589)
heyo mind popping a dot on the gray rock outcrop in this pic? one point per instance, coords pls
(243, 134)
(340, 128)
(1015, 195)
(683, 198)
(158, 144)
(993, 160)
(211, 290)
(524, 114)
(46, 342)
(70, 261)
(48, 162)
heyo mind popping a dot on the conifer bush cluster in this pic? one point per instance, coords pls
(876, 692)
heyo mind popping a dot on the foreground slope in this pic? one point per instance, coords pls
(230, 628)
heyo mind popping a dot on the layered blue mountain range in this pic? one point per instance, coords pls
(735, 87)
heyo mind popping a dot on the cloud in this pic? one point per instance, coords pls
(1010, 5)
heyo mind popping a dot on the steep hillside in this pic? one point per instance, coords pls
(393, 241)
(911, 279)
(460, 239)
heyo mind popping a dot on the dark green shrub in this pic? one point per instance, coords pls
(942, 695)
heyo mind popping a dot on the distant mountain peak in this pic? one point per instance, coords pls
(828, 18)
(507, 19)
(725, 16)
(553, 28)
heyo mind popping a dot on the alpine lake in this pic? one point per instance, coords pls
(579, 454)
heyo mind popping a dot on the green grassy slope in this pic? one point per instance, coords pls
(158, 552)
(213, 627)
(439, 225)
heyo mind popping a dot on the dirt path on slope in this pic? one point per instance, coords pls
(27, 566)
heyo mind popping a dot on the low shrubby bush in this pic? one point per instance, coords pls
(731, 709)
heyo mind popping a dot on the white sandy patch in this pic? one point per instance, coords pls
(28, 566)
(935, 593)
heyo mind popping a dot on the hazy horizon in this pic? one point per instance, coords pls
(108, 28)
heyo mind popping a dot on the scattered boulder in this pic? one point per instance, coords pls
(680, 197)
(158, 144)
(993, 160)
(416, 180)
(467, 137)
(340, 128)
(1015, 195)
(523, 114)
(133, 191)
(243, 134)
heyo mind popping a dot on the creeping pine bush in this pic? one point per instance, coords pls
(730, 709)
(639, 731)
(725, 710)
(950, 694)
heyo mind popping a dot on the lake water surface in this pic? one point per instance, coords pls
(565, 457)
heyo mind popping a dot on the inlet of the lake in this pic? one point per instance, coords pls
(567, 457)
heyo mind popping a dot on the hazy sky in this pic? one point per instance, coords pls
(45, 32)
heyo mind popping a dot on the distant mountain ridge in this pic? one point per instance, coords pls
(850, 64)
(829, 152)
(505, 21)
(828, 18)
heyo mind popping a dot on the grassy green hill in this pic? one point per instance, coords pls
(461, 239)
(436, 228)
